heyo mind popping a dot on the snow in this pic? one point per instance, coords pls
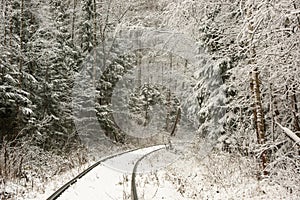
(107, 181)
(171, 174)
(180, 176)
(216, 176)
(36, 189)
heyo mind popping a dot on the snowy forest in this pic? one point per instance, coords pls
(243, 86)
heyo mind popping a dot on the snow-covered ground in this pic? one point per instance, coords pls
(215, 176)
(47, 172)
(218, 176)
(38, 189)
(172, 175)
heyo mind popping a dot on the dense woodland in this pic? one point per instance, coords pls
(246, 85)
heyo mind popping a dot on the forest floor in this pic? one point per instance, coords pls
(217, 175)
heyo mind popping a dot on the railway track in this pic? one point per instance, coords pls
(134, 196)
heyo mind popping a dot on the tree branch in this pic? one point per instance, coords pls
(290, 134)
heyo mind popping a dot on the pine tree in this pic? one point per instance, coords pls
(56, 58)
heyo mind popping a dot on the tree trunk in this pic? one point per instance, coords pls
(254, 107)
(10, 28)
(73, 19)
(295, 109)
(4, 10)
(272, 113)
(168, 109)
(169, 96)
(139, 61)
(260, 124)
(21, 42)
(95, 22)
(178, 114)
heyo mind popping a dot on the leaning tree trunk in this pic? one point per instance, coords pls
(177, 119)
(259, 116)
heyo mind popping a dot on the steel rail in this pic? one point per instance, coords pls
(134, 195)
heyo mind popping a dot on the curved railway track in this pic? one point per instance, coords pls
(134, 196)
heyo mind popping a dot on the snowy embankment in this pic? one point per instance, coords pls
(218, 176)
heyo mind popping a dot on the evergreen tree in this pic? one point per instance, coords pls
(17, 80)
(56, 58)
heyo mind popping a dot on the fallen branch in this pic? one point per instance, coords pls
(290, 134)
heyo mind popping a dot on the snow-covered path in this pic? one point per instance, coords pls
(109, 180)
